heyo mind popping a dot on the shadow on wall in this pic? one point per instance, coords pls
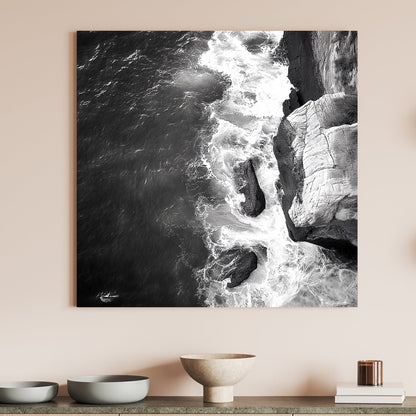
(170, 375)
(317, 385)
(412, 249)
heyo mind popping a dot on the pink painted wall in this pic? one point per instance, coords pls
(300, 351)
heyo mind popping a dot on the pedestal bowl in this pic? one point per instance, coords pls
(218, 373)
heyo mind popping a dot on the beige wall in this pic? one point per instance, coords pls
(300, 351)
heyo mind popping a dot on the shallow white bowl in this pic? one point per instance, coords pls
(108, 389)
(28, 391)
(218, 373)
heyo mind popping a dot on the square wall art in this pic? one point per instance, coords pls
(217, 169)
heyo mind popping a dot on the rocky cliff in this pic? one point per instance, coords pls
(303, 71)
(319, 62)
(316, 150)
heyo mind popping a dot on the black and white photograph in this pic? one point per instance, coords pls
(217, 169)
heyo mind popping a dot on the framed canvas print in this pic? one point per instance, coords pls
(217, 169)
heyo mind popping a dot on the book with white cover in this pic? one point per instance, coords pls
(370, 399)
(387, 389)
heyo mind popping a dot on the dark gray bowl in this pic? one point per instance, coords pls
(28, 391)
(108, 389)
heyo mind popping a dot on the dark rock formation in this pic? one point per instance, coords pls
(292, 103)
(248, 184)
(323, 62)
(236, 264)
(316, 151)
(303, 70)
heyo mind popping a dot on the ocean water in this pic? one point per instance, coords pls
(164, 118)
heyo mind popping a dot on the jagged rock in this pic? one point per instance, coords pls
(243, 263)
(336, 55)
(248, 184)
(303, 71)
(320, 62)
(236, 265)
(316, 151)
(292, 103)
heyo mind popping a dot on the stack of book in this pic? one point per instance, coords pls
(388, 393)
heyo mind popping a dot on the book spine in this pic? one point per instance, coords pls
(370, 391)
(370, 399)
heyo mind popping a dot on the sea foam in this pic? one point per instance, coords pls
(245, 121)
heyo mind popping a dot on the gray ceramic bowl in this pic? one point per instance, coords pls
(108, 389)
(28, 391)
